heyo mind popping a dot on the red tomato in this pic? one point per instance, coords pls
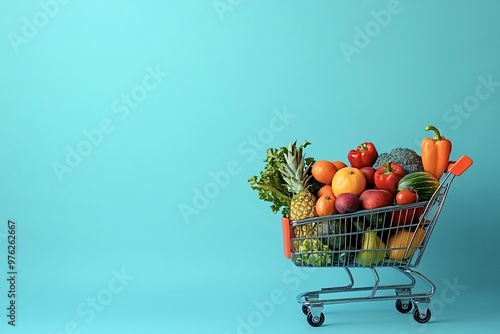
(406, 196)
(405, 217)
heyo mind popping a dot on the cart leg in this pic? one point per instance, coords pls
(403, 304)
(308, 298)
(316, 310)
(422, 313)
(425, 279)
(311, 297)
(305, 298)
(408, 274)
(351, 278)
(341, 288)
(316, 317)
(375, 284)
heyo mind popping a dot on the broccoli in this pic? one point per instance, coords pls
(408, 158)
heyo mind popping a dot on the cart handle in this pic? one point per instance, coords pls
(460, 166)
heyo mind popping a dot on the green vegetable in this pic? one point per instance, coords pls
(376, 220)
(423, 183)
(354, 232)
(333, 233)
(313, 252)
(270, 184)
(407, 158)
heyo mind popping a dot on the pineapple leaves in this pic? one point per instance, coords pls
(274, 183)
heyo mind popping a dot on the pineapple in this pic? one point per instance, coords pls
(303, 202)
(303, 205)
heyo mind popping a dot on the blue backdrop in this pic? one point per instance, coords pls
(129, 131)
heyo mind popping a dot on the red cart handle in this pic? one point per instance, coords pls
(460, 166)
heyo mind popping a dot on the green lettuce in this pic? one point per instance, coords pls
(270, 184)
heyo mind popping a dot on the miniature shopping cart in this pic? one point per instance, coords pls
(394, 236)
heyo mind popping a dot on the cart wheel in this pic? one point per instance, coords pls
(403, 308)
(418, 318)
(305, 309)
(315, 321)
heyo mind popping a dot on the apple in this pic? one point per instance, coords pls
(346, 202)
(375, 198)
(369, 173)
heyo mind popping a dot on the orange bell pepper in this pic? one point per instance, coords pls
(435, 153)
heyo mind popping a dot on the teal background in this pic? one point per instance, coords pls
(232, 65)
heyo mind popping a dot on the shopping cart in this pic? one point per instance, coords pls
(394, 237)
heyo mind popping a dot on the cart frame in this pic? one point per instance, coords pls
(424, 216)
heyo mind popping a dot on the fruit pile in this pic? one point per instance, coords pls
(362, 186)
(302, 187)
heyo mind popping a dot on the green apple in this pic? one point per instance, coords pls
(373, 250)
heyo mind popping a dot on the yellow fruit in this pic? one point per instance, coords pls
(402, 240)
(348, 180)
(373, 249)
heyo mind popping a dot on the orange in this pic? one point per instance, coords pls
(339, 164)
(323, 171)
(325, 206)
(348, 180)
(325, 190)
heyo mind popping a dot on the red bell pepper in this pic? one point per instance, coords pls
(363, 156)
(387, 177)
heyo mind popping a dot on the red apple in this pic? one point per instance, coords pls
(346, 202)
(369, 173)
(375, 198)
